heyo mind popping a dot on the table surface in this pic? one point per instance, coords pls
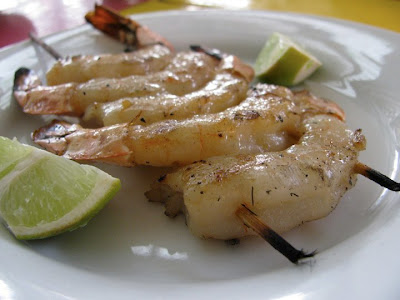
(44, 17)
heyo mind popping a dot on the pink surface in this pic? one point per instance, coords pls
(43, 17)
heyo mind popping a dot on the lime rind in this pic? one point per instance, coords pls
(11, 153)
(42, 194)
(74, 219)
(307, 70)
(283, 62)
(43, 188)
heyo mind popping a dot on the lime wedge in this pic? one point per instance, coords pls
(42, 194)
(283, 62)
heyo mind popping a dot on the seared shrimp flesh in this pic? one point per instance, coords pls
(268, 120)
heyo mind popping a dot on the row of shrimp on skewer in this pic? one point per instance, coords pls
(186, 85)
(263, 163)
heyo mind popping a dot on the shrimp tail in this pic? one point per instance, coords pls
(312, 104)
(377, 177)
(251, 220)
(52, 137)
(37, 99)
(24, 81)
(124, 29)
(74, 142)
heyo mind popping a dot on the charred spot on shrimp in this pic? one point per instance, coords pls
(246, 115)
(161, 178)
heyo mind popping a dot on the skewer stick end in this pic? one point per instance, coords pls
(377, 177)
(45, 46)
(251, 220)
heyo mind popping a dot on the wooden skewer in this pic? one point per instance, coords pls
(251, 220)
(45, 46)
(211, 52)
(377, 177)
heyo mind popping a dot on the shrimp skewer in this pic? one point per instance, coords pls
(266, 194)
(268, 120)
(236, 187)
(188, 71)
(226, 89)
(123, 29)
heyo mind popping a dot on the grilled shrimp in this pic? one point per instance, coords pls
(123, 29)
(187, 72)
(228, 88)
(285, 189)
(82, 68)
(267, 120)
(229, 197)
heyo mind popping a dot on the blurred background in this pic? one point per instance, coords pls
(44, 17)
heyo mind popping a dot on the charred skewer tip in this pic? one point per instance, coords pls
(251, 220)
(215, 53)
(377, 177)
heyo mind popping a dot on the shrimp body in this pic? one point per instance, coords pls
(188, 71)
(228, 88)
(267, 120)
(82, 68)
(284, 189)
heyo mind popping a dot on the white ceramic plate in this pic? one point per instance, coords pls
(131, 250)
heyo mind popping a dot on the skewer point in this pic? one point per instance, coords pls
(251, 220)
(45, 46)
